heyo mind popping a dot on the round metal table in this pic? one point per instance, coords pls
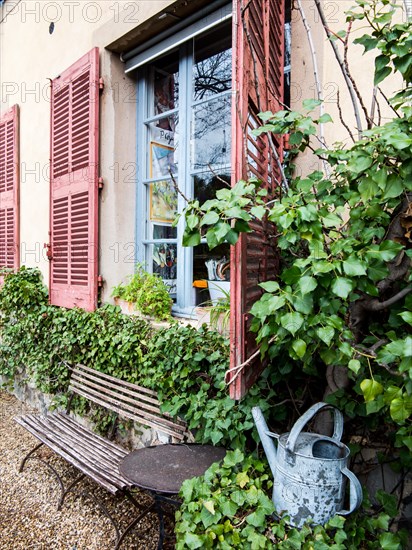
(162, 469)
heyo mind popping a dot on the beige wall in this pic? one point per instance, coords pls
(30, 56)
(333, 85)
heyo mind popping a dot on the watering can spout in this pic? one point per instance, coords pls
(266, 437)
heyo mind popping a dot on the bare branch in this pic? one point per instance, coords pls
(342, 119)
(375, 305)
(342, 67)
(355, 87)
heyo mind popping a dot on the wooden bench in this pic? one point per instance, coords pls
(95, 456)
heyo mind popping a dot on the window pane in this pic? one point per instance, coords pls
(206, 184)
(162, 149)
(165, 79)
(164, 263)
(212, 70)
(212, 133)
(162, 202)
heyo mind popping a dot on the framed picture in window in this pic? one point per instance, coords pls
(163, 201)
(161, 160)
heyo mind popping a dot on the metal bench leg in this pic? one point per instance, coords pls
(49, 466)
(68, 489)
(23, 462)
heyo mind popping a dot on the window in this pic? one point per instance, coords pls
(184, 142)
(9, 188)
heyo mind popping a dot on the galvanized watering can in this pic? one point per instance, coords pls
(309, 470)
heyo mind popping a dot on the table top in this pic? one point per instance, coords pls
(163, 468)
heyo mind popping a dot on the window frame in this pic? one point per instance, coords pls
(185, 294)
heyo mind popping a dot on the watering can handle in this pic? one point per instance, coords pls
(355, 493)
(309, 414)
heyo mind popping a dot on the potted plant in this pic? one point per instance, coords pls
(146, 293)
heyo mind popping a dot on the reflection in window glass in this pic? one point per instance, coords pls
(211, 133)
(212, 70)
(165, 79)
(206, 184)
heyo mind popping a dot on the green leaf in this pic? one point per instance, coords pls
(258, 211)
(229, 508)
(381, 75)
(331, 220)
(270, 286)
(368, 188)
(242, 479)
(307, 284)
(389, 541)
(353, 267)
(233, 457)
(292, 322)
(394, 187)
(210, 506)
(326, 334)
(399, 140)
(406, 316)
(354, 365)
(310, 104)
(210, 218)
(192, 221)
(370, 389)
(193, 541)
(401, 409)
(299, 347)
(257, 518)
(325, 118)
(191, 239)
(342, 287)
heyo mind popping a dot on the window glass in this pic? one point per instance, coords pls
(212, 69)
(165, 81)
(211, 133)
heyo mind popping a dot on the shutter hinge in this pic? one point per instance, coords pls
(99, 281)
(49, 254)
(101, 83)
(100, 183)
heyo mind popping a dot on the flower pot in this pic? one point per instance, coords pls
(218, 290)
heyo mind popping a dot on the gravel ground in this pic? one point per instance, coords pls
(28, 516)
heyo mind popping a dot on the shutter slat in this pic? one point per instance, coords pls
(75, 115)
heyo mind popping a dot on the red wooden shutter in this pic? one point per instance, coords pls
(9, 189)
(74, 184)
(258, 60)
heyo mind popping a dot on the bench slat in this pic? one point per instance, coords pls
(72, 459)
(79, 367)
(115, 449)
(108, 469)
(83, 382)
(126, 411)
(101, 383)
(86, 445)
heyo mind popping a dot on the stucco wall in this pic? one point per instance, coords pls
(30, 56)
(334, 90)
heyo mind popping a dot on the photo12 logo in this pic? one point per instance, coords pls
(71, 11)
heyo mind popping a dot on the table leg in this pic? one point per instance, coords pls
(133, 523)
